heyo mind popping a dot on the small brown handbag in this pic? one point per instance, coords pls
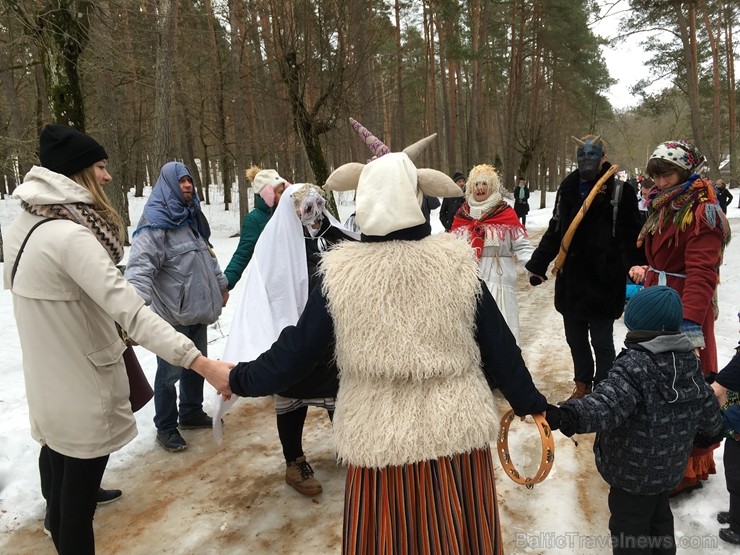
(140, 390)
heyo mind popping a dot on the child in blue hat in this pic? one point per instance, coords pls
(653, 406)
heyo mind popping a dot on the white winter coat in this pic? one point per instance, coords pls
(67, 297)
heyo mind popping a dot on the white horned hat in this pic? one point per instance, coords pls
(390, 188)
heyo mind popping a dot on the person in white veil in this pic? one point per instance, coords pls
(277, 285)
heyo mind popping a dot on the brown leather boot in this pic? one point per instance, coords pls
(299, 475)
(580, 390)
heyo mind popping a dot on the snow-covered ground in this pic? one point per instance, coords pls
(231, 498)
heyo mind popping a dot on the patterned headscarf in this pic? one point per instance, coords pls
(682, 153)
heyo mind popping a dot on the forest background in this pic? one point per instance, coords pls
(224, 84)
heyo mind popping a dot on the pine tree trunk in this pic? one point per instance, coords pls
(162, 148)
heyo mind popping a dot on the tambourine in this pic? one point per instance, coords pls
(548, 450)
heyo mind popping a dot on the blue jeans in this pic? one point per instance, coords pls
(191, 384)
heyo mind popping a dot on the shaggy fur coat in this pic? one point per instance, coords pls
(414, 382)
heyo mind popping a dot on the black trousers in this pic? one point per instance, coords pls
(290, 430)
(731, 460)
(602, 340)
(70, 487)
(641, 524)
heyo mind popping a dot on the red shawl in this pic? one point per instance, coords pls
(501, 219)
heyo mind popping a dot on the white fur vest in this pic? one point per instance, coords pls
(411, 386)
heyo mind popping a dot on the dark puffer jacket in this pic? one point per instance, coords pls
(646, 414)
(591, 285)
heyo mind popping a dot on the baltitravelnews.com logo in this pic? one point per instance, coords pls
(575, 540)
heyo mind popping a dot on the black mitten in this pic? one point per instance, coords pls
(553, 416)
(536, 280)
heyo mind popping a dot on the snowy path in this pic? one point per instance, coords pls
(232, 498)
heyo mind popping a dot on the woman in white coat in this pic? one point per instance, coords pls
(60, 264)
(500, 240)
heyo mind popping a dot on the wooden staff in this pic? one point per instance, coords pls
(600, 187)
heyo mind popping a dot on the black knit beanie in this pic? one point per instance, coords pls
(65, 150)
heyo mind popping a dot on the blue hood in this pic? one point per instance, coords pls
(166, 207)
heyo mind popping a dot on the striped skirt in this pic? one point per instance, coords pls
(443, 506)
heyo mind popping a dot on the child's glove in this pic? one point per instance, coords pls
(692, 330)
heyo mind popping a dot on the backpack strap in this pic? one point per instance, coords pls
(23, 246)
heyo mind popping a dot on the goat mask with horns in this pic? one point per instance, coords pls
(390, 188)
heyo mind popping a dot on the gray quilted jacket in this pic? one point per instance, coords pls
(646, 414)
(176, 273)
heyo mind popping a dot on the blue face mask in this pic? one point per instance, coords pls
(589, 160)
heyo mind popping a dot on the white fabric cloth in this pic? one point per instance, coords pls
(275, 291)
(274, 295)
(498, 270)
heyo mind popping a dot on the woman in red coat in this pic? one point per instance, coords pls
(684, 237)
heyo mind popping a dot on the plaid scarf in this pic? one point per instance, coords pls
(87, 216)
(685, 205)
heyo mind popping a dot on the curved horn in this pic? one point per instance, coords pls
(344, 178)
(579, 141)
(413, 151)
(437, 184)
(376, 146)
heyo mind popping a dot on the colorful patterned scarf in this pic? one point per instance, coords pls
(683, 206)
(499, 222)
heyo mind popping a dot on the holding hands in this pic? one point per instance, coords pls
(637, 273)
(216, 373)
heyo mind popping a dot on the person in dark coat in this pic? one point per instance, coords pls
(649, 411)
(428, 204)
(724, 196)
(521, 200)
(590, 288)
(277, 284)
(726, 386)
(451, 205)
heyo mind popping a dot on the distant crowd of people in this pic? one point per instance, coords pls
(347, 317)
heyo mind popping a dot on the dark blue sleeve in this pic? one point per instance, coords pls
(294, 355)
(502, 359)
